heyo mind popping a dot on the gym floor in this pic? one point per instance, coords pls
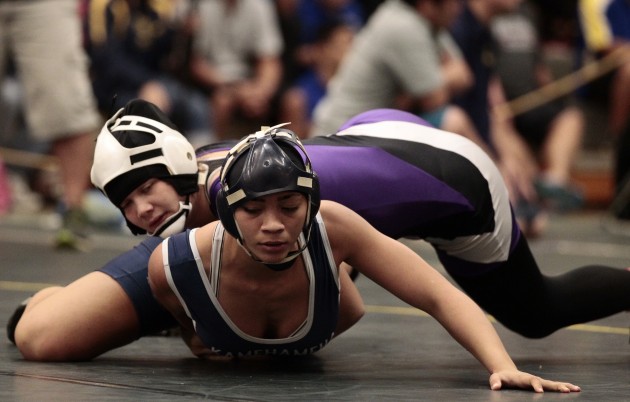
(393, 353)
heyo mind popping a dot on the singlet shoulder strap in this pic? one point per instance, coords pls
(215, 262)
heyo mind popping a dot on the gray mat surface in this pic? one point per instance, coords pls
(394, 353)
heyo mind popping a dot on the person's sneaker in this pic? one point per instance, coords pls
(15, 318)
(531, 219)
(73, 233)
(558, 197)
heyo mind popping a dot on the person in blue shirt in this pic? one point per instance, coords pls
(134, 51)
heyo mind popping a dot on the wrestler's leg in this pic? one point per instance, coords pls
(520, 297)
(78, 322)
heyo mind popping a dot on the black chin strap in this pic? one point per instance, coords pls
(285, 264)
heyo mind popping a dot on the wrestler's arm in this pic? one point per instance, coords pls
(167, 298)
(406, 275)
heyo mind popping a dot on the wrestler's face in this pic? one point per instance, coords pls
(270, 225)
(150, 204)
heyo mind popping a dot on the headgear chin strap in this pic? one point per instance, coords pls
(175, 223)
(286, 262)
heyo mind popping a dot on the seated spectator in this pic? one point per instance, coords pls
(471, 31)
(236, 57)
(369, 6)
(131, 43)
(553, 130)
(290, 26)
(315, 15)
(606, 32)
(403, 52)
(299, 100)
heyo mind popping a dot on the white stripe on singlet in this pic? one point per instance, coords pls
(481, 248)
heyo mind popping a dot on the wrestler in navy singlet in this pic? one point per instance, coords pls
(198, 294)
(131, 270)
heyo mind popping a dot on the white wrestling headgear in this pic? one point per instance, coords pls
(139, 143)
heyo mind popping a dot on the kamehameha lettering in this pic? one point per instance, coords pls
(273, 351)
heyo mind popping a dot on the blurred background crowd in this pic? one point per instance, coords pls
(535, 83)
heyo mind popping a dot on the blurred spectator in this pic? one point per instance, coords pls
(315, 16)
(403, 52)
(299, 100)
(557, 21)
(290, 26)
(309, 31)
(44, 40)
(369, 6)
(554, 130)
(27, 177)
(133, 45)
(302, 23)
(605, 28)
(471, 31)
(237, 58)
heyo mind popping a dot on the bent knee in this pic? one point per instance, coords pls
(45, 343)
(37, 347)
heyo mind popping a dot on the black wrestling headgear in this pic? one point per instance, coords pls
(267, 162)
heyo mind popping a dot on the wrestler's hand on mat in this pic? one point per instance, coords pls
(519, 379)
